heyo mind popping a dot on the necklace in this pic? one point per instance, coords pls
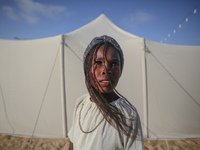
(79, 122)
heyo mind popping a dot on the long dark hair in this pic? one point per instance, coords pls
(127, 126)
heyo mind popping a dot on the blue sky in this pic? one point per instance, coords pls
(151, 19)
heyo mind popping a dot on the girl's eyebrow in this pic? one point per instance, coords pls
(114, 59)
(99, 58)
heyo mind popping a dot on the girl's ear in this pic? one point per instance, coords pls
(120, 72)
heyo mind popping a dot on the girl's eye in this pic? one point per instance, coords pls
(115, 64)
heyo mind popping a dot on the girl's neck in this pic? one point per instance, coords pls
(109, 96)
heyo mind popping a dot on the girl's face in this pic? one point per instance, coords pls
(106, 69)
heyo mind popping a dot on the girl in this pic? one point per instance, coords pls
(104, 119)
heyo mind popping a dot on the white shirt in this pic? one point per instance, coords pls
(105, 136)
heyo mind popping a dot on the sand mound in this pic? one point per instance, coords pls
(8, 142)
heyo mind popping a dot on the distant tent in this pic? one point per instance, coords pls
(40, 81)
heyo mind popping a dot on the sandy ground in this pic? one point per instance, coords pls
(8, 142)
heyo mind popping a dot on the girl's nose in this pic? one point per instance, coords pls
(106, 70)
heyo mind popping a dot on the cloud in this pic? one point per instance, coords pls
(138, 18)
(143, 17)
(31, 11)
(9, 11)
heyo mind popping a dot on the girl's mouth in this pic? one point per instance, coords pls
(105, 83)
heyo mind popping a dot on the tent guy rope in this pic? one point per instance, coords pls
(13, 130)
(40, 109)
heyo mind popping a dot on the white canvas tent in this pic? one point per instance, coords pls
(40, 81)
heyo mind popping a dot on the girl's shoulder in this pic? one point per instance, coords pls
(125, 107)
(82, 99)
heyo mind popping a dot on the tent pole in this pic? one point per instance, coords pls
(63, 83)
(145, 92)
